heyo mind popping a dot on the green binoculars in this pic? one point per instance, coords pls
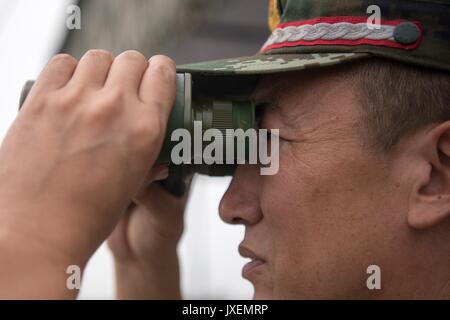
(213, 102)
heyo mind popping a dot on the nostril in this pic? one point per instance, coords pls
(235, 210)
(227, 212)
(237, 221)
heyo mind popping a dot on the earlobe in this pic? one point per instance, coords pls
(429, 211)
(430, 203)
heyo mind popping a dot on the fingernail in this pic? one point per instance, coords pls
(162, 174)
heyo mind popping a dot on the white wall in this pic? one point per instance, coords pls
(30, 32)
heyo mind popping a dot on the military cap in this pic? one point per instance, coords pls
(317, 33)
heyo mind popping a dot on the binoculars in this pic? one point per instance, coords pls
(205, 102)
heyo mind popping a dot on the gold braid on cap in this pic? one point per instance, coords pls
(274, 15)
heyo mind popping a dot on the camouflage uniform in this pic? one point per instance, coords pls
(315, 33)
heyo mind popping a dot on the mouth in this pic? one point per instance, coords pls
(255, 261)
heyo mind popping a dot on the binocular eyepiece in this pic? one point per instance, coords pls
(202, 105)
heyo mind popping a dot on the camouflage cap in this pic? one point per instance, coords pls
(314, 33)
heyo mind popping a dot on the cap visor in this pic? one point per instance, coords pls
(268, 63)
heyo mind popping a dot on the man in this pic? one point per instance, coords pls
(364, 175)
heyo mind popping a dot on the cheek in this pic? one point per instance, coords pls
(292, 199)
(288, 202)
(313, 214)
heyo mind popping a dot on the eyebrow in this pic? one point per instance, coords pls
(267, 100)
(285, 116)
(267, 96)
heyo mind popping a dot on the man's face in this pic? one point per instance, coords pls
(331, 210)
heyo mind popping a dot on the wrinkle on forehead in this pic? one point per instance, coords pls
(275, 91)
(310, 99)
(290, 94)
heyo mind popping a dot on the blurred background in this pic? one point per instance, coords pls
(31, 31)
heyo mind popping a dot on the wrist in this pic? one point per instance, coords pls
(29, 270)
(57, 233)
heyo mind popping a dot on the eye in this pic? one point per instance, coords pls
(272, 134)
(262, 110)
(265, 113)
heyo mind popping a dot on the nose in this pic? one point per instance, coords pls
(240, 204)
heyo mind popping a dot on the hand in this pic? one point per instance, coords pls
(144, 243)
(80, 149)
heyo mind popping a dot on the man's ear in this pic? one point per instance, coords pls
(430, 202)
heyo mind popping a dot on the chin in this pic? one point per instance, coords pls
(263, 294)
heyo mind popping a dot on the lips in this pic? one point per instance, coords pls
(255, 261)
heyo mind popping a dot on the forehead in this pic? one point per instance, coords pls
(306, 94)
(292, 92)
(299, 83)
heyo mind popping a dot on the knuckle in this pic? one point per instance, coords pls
(158, 128)
(115, 95)
(101, 112)
(145, 134)
(96, 115)
(140, 132)
(39, 102)
(158, 131)
(69, 98)
(109, 105)
(157, 104)
(60, 101)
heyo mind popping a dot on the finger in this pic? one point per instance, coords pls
(126, 71)
(160, 173)
(93, 68)
(117, 240)
(158, 85)
(57, 73)
(158, 200)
